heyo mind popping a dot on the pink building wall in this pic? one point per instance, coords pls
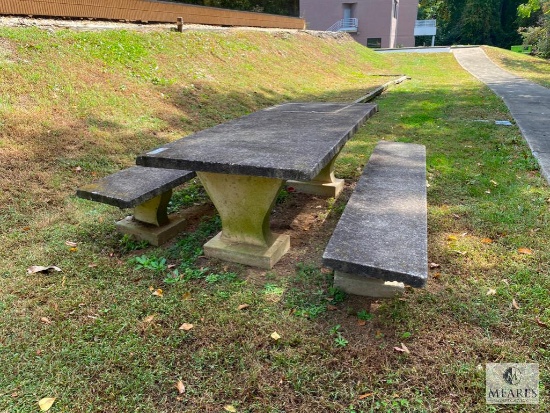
(375, 18)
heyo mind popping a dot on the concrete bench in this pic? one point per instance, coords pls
(380, 241)
(148, 191)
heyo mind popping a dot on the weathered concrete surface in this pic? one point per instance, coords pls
(528, 102)
(325, 184)
(383, 230)
(133, 186)
(291, 141)
(244, 204)
(366, 286)
(154, 235)
(248, 254)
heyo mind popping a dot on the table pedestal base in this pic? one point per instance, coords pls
(244, 204)
(323, 189)
(253, 255)
(366, 286)
(154, 235)
(325, 184)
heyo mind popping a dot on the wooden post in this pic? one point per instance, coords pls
(180, 24)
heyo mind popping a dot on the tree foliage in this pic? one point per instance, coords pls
(536, 34)
(492, 22)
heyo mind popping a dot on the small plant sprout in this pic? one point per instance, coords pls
(335, 329)
(364, 315)
(150, 263)
(173, 277)
(337, 294)
(127, 244)
(340, 341)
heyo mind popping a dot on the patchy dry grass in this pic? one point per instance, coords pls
(75, 106)
(532, 68)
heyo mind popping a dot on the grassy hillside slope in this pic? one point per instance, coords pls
(104, 334)
(532, 68)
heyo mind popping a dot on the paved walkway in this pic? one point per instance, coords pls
(528, 102)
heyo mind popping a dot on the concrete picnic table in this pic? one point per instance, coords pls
(244, 163)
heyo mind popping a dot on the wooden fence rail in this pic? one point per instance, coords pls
(147, 11)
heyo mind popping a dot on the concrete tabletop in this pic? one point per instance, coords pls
(288, 141)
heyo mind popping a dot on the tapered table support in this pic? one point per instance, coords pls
(244, 204)
(325, 184)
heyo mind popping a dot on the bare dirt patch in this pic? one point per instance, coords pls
(7, 50)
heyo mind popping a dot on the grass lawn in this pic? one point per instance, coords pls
(530, 67)
(126, 327)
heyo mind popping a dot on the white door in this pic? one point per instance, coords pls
(347, 11)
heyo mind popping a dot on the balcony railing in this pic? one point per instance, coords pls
(345, 25)
(425, 28)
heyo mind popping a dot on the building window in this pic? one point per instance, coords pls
(374, 42)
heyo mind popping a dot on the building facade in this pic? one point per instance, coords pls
(374, 23)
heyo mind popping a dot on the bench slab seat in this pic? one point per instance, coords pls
(133, 186)
(380, 241)
(148, 191)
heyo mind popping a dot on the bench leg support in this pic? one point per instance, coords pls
(244, 204)
(325, 184)
(366, 286)
(154, 211)
(151, 221)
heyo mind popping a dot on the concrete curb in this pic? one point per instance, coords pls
(380, 89)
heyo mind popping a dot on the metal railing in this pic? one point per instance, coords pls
(425, 28)
(425, 23)
(344, 25)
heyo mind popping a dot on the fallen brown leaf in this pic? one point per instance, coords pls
(46, 403)
(149, 318)
(515, 304)
(157, 292)
(436, 275)
(402, 349)
(486, 241)
(491, 291)
(275, 336)
(364, 396)
(180, 386)
(540, 323)
(331, 307)
(45, 320)
(70, 244)
(186, 326)
(526, 251)
(242, 306)
(361, 323)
